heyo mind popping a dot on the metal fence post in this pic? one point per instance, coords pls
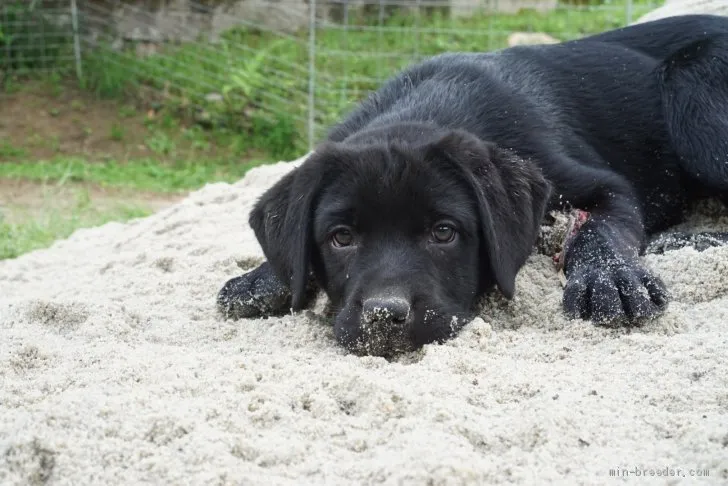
(628, 12)
(8, 52)
(311, 73)
(76, 40)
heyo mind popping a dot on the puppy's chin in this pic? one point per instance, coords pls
(388, 339)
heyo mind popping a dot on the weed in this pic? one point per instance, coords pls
(51, 142)
(160, 143)
(168, 122)
(246, 94)
(35, 140)
(54, 143)
(127, 111)
(274, 133)
(54, 82)
(78, 105)
(256, 84)
(117, 132)
(83, 199)
(197, 137)
(23, 49)
(9, 151)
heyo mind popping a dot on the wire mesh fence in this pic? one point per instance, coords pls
(30, 40)
(288, 67)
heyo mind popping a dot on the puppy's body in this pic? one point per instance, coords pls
(561, 107)
(432, 191)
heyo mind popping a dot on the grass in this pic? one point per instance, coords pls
(258, 80)
(56, 219)
(10, 151)
(222, 109)
(51, 223)
(138, 174)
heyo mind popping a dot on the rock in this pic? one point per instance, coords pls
(214, 98)
(160, 21)
(530, 38)
(146, 49)
(466, 8)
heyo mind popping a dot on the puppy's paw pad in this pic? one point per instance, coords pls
(614, 294)
(254, 294)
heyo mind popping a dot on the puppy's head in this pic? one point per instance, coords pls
(403, 237)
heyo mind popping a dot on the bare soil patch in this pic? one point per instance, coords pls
(45, 120)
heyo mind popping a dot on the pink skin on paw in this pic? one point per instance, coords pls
(577, 218)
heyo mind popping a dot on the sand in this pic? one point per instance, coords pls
(672, 8)
(116, 369)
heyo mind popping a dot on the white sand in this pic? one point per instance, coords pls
(672, 8)
(116, 369)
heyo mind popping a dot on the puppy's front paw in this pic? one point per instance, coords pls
(256, 293)
(614, 293)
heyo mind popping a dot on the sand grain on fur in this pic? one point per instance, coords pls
(116, 369)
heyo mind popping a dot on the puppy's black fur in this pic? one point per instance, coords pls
(432, 191)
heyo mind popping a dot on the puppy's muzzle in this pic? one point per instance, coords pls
(386, 311)
(385, 326)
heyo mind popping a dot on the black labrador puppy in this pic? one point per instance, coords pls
(431, 193)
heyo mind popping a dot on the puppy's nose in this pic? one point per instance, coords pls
(389, 310)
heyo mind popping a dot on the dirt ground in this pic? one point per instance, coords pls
(47, 120)
(43, 120)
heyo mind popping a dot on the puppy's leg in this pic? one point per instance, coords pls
(694, 91)
(605, 280)
(258, 293)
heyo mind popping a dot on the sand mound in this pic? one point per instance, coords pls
(116, 369)
(672, 8)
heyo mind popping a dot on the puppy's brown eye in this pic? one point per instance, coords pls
(443, 233)
(342, 237)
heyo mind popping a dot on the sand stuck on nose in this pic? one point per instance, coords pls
(115, 368)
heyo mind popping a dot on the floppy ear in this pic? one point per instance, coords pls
(281, 220)
(511, 195)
